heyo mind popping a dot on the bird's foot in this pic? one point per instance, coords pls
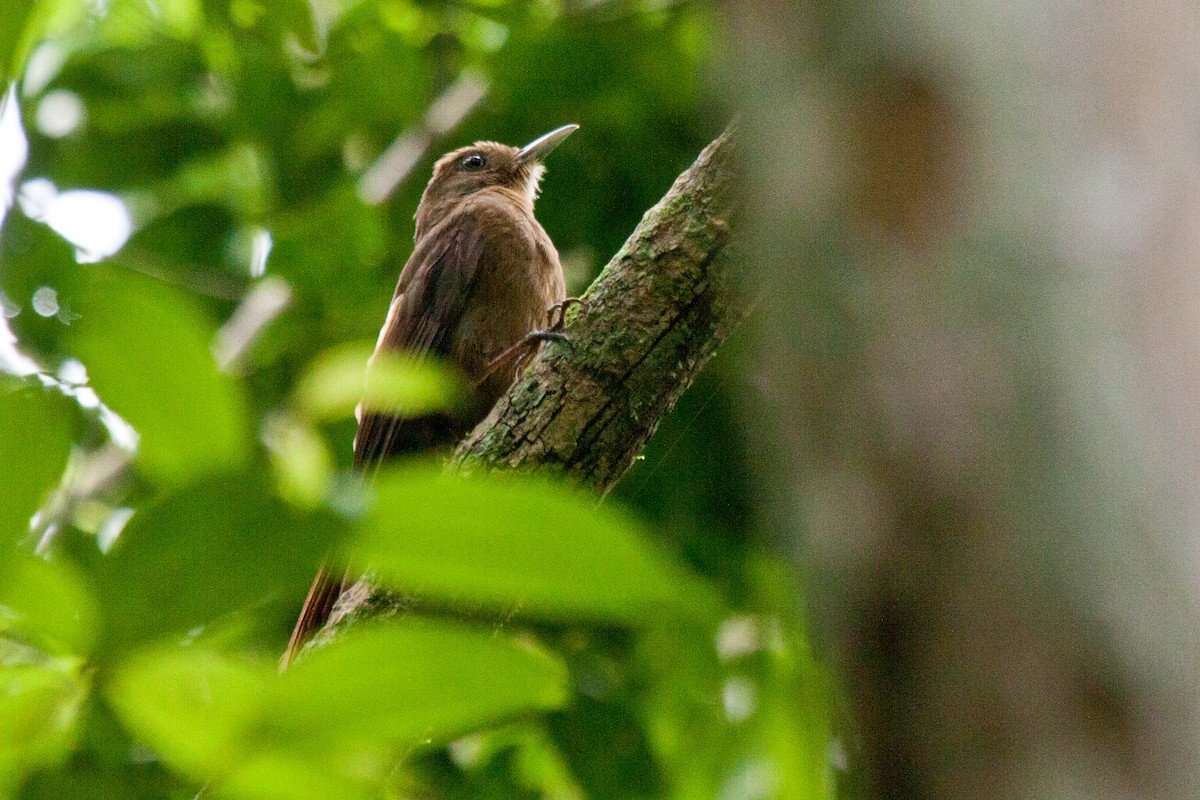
(524, 348)
(545, 335)
(528, 344)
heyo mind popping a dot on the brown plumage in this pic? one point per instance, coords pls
(482, 277)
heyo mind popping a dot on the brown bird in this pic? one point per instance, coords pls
(479, 287)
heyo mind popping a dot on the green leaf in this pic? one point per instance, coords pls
(798, 718)
(36, 427)
(146, 349)
(82, 778)
(100, 765)
(395, 383)
(606, 748)
(195, 708)
(303, 464)
(135, 23)
(521, 544)
(291, 18)
(24, 23)
(296, 17)
(48, 603)
(14, 23)
(330, 726)
(205, 550)
(39, 706)
(413, 680)
(283, 775)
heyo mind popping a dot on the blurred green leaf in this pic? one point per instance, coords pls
(25, 22)
(328, 726)
(49, 603)
(302, 461)
(413, 680)
(195, 708)
(296, 17)
(514, 762)
(234, 178)
(80, 778)
(524, 545)
(394, 382)
(36, 428)
(797, 717)
(607, 751)
(756, 712)
(133, 23)
(105, 762)
(147, 351)
(34, 256)
(39, 705)
(205, 550)
(285, 775)
(14, 24)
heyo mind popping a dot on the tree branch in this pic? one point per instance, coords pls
(650, 321)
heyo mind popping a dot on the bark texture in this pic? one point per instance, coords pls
(643, 330)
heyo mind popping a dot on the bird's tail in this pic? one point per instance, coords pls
(317, 607)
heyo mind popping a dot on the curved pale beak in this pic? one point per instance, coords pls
(539, 147)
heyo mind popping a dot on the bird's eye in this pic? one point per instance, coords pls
(474, 161)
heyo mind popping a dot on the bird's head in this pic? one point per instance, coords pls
(484, 165)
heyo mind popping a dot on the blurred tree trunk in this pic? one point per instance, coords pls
(976, 400)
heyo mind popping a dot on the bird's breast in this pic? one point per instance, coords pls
(520, 279)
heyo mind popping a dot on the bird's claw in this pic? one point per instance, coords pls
(556, 315)
(526, 347)
(550, 335)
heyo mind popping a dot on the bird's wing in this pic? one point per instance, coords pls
(434, 290)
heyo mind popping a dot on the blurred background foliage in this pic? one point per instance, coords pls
(176, 425)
